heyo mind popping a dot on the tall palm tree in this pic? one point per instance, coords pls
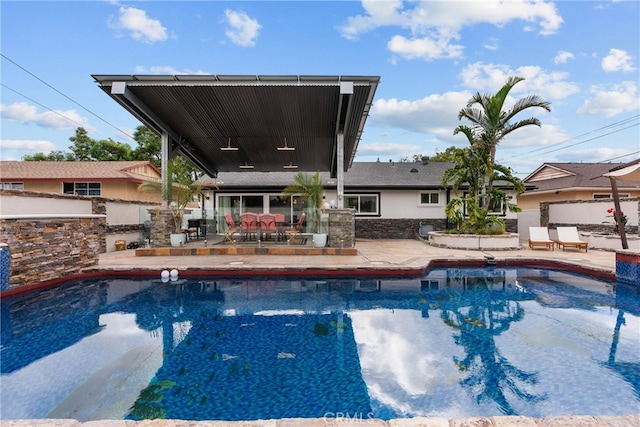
(490, 124)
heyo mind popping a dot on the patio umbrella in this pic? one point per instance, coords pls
(629, 172)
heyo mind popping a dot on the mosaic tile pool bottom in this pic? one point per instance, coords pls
(267, 366)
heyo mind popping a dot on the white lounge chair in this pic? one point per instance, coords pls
(568, 238)
(539, 236)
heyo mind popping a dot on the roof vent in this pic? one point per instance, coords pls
(413, 170)
(425, 160)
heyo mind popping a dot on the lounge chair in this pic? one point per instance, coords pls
(568, 238)
(539, 236)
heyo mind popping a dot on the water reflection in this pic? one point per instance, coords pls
(489, 312)
(453, 343)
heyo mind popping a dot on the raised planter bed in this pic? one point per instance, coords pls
(498, 242)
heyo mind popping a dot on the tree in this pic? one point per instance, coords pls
(310, 189)
(85, 148)
(476, 164)
(490, 124)
(182, 191)
(53, 156)
(448, 155)
(149, 146)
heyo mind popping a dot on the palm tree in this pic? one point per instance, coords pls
(310, 189)
(472, 166)
(490, 124)
(183, 189)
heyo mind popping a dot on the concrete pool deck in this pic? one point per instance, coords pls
(383, 255)
(380, 255)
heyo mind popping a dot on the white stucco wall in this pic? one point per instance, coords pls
(15, 205)
(406, 204)
(592, 212)
(122, 213)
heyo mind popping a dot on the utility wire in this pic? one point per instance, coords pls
(43, 106)
(70, 99)
(587, 140)
(619, 123)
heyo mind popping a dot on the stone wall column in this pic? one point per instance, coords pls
(342, 229)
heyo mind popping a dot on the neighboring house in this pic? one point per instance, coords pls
(554, 182)
(118, 180)
(390, 199)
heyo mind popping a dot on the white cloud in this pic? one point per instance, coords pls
(491, 44)
(33, 146)
(425, 48)
(612, 101)
(491, 77)
(431, 25)
(56, 119)
(242, 29)
(618, 60)
(433, 114)
(166, 69)
(562, 57)
(139, 25)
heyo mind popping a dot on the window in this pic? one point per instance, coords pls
(496, 207)
(608, 196)
(429, 198)
(364, 204)
(82, 188)
(12, 185)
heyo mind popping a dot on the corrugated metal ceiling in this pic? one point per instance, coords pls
(256, 114)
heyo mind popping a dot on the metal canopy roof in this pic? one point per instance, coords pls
(275, 122)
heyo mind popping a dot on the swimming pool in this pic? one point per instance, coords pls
(452, 343)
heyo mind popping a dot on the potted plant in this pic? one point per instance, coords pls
(310, 189)
(182, 191)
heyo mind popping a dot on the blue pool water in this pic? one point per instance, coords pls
(453, 343)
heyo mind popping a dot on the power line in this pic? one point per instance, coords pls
(620, 157)
(43, 106)
(70, 99)
(587, 140)
(612, 125)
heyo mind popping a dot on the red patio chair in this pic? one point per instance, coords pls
(232, 229)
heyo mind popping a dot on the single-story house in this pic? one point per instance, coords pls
(117, 180)
(552, 182)
(390, 199)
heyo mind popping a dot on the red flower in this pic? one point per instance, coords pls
(610, 210)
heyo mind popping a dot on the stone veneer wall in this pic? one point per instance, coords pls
(51, 248)
(342, 232)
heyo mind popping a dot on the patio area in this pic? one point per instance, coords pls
(399, 256)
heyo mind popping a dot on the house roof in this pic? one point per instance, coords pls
(361, 175)
(204, 114)
(553, 176)
(85, 171)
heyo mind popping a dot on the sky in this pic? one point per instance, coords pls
(431, 56)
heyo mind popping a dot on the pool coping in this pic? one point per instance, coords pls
(495, 421)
